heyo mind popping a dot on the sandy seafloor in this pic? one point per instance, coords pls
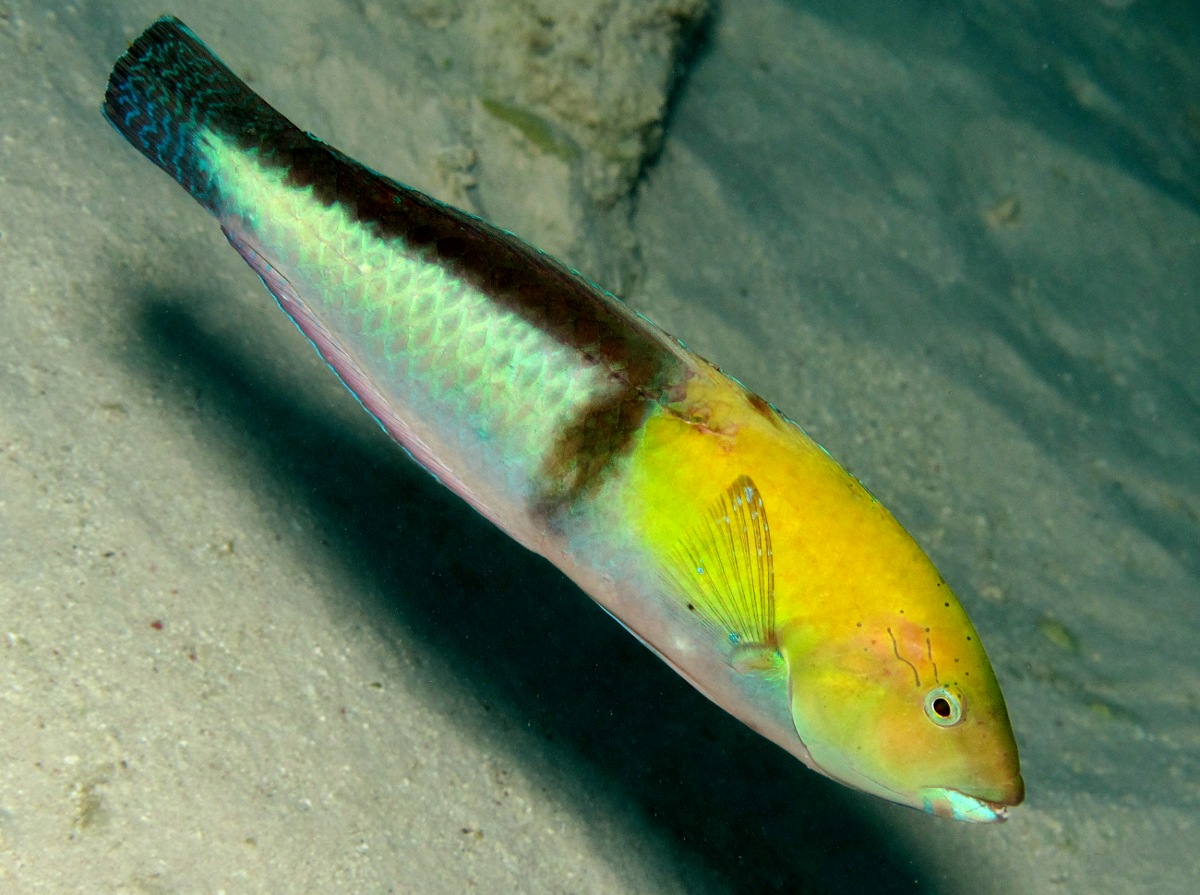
(246, 646)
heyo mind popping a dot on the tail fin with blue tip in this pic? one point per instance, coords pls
(168, 90)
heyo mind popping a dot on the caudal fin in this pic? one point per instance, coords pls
(168, 90)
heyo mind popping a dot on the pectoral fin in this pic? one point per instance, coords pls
(724, 567)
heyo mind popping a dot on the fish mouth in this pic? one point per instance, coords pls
(945, 802)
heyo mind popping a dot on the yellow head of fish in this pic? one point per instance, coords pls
(903, 703)
(837, 637)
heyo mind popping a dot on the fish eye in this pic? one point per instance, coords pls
(943, 706)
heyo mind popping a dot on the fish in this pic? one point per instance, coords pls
(691, 509)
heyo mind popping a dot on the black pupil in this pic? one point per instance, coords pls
(942, 706)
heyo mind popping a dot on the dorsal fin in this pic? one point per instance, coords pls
(724, 567)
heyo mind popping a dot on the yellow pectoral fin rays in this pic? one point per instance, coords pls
(725, 566)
